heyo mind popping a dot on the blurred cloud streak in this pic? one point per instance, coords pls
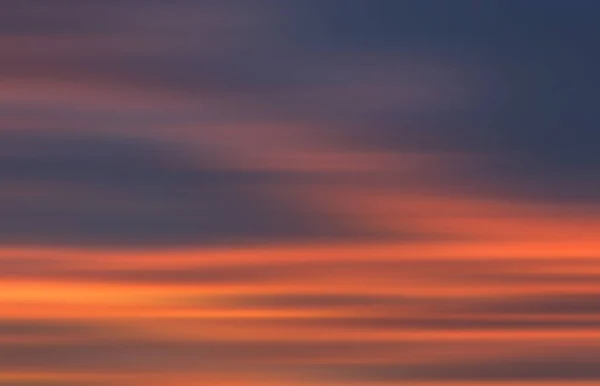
(286, 192)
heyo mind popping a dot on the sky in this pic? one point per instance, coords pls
(299, 193)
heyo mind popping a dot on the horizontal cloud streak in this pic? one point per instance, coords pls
(124, 190)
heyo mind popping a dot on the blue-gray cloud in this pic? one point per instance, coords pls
(82, 189)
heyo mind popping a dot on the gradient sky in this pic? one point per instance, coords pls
(299, 193)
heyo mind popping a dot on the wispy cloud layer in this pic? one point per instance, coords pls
(286, 192)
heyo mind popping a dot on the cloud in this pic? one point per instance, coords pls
(262, 89)
(523, 369)
(172, 276)
(558, 368)
(40, 328)
(324, 300)
(547, 304)
(144, 355)
(65, 188)
(88, 382)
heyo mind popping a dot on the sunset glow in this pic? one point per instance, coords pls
(299, 193)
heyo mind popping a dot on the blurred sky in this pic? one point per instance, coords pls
(299, 192)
